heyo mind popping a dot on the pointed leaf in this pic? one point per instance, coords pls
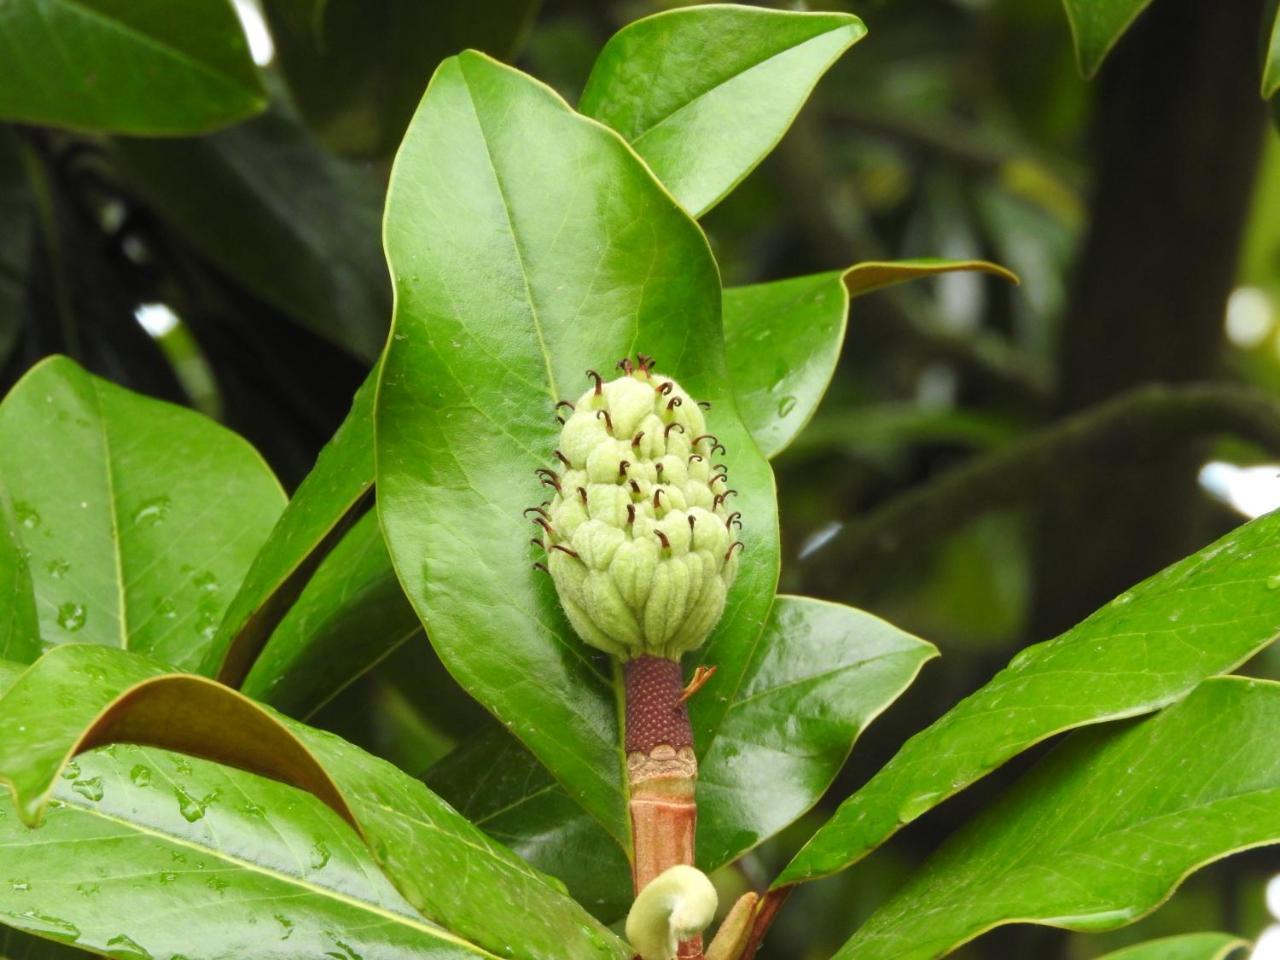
(107, 66)
(1187, 946)
(124, 507)
(783, 339)
(551, 250)
(105, 695)
(323, 508)
(704, 93)
(351, 615)
(255, 868)
(1271, 57)
(1202, 616)
(1102, 831)
(1096, 25)
(821, 673)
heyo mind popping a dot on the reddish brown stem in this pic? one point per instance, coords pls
(768, 908)
(661, 771)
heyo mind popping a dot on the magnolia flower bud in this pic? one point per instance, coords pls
(639, 537)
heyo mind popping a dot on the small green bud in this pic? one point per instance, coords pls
(639, 537)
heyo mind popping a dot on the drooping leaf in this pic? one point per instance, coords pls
(551, 251)
(1096, 25)
(351, 615)
(321, 511)
(821, 673)
(253, 867)
(105, 695)
(500, 787)
(1187, 946)
(1103, 830)
(1151, 645)
(783, 339)
(357, 70)
(268, 205)
(138, 518)
(704, 93)
(108, 66)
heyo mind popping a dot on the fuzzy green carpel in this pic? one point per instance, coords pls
(639, 536)
(675, 905)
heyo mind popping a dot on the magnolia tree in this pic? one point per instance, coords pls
(558, 470)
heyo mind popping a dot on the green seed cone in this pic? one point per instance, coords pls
(639, 538)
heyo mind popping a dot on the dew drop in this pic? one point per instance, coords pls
(153, 511)
(19, 886)
(90, 789)
(88, 889)
(917, 805)
(57, 568)
(287, 924)
(49, 925)
(1123, 600)
(786, 405)
(71, 616)
(319, 855)
(140, 775)
(1273, 582)
(126, 948)
(71, 771)
(26, 514)
(191, 808)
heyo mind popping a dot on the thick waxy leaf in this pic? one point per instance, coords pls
(500, 787)
(1096, 25)
(1188, 946)
(270, 207)
(1101, 832)
(351, 615)
(822, 672)
(138, 518)
(783, 339)
(704, 93)
(357, 70)
(104, 695)
(253, 867)
(19, 623)
(126, 67)
(526, 245)
(323, 508)
(1200, 617)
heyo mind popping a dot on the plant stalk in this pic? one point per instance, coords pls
(662, 774)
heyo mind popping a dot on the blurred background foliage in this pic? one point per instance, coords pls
(981, 473)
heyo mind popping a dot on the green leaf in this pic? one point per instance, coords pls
(783, 339)
(351, 615)
(1203, 616)
(552, 250)
(704, 93)
(106, 695)
(1188, 946)
(124, 67)
(1096, 25)
(1103, 830)
(821, 673)
(357, 70)
(1271, 54)
(324, 507)
(260, 869)
(267, 205)
(138, 518)
(19, 622)
(500, 787)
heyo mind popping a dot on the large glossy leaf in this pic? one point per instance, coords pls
(146, 853)
(321, 511)
(351, 615)
(270, 207)
(1271, 56)
(1200, 617)
(499, 786)
(820, 674)
(19, 623)
(526, 245)
(704, 93)
(783, 339)
(80, 696)
(1101, 832)
(138, 518)
(126, 67)
(1096, 25)
(1188, 946)
(357, 70)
